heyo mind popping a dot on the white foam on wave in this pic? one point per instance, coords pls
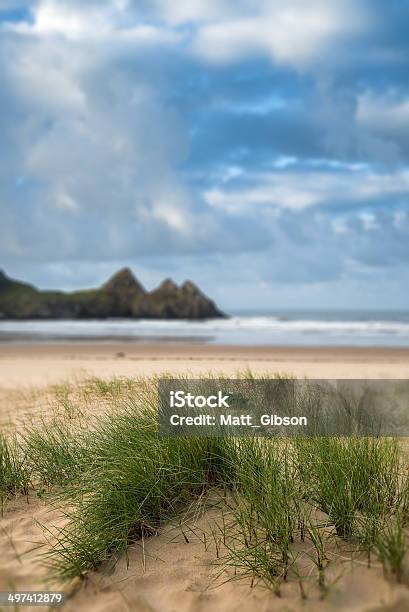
(235, 330)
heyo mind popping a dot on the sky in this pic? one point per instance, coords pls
(257, 147)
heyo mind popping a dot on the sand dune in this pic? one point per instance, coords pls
(170, 574)
(180, 576)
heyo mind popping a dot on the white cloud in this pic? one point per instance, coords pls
(66, 202)
(291, 32)
(93, 22)
(297, 190)
(182, 11)
(44, 77)
(385, 112)
(95, 141)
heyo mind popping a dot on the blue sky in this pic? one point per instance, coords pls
(259, 147)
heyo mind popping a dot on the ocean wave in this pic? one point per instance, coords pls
(238, 329)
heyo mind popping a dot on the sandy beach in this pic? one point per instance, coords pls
(44, 364)
(170, 573)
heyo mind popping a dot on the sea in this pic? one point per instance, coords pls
(251, 328)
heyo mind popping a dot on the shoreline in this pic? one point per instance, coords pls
(43, 364)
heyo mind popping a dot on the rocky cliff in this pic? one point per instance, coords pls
(121, 296)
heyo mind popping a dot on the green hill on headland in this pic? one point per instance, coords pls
(121, 296)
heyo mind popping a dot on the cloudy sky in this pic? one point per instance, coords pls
(259, 147)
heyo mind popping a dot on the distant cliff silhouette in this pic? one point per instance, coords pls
(121, 296)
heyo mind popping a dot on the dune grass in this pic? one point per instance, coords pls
(318, 492)
(118, 481)
(133, 483)
(350, 477)
(54, 454)
(268, 508)
(14, 472)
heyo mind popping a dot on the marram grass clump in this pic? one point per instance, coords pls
(14, 472)
(134, 482)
